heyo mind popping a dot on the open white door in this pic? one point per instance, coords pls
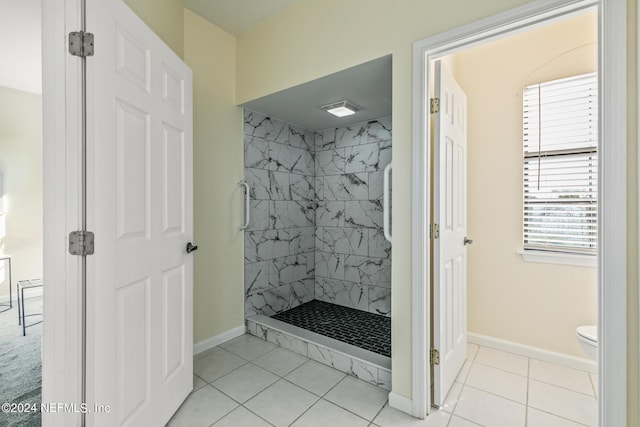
(449, 250)
(140, 197)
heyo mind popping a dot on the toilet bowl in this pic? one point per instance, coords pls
(588, 339)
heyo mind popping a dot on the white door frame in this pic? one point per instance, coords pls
(612, 249)
(62, 351)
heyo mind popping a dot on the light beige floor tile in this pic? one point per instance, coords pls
(245, 382)
(280, 361)
(281, 403)
(249, 347)
(503, 360)
(358, 397)
(234, 340)
(202, 408)
(216, 365)
(242, 417)
(536, 418)
(464, 372)
(461, 422)
(490, 410)
(390, 417)
(326, 414)
(198, 383)
(452, 398)
(205, 353)
(594, 382)
(561, 376)
(564, 403)
(472, 350)
(315, 377)
(496, 381)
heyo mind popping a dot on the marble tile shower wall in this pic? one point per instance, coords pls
(279, 243)
(352, 258)
(316, 216)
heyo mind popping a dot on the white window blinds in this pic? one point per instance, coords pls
(560, 134)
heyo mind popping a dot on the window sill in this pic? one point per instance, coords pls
(558, 258)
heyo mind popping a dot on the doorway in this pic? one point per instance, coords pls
(612, 282)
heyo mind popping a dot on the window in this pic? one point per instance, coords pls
(560, 136)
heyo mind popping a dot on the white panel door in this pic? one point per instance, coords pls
(140, 197)
(450, 213)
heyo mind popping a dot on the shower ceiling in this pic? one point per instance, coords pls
(367, 85)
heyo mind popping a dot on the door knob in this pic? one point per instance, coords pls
(466, 241)
(191, 248)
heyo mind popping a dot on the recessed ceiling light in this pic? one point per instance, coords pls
(340, 109)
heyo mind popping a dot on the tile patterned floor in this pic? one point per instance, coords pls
(250, 382)
(356, 327)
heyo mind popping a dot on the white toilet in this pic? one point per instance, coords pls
(588, 339)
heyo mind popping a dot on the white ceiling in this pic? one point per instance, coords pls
(367, 85)
(236, 16)
(20, 45)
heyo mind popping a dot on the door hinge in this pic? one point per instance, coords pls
(435, 105)
(434, 231)
(434, 357)
(81, 44)
(81, 243)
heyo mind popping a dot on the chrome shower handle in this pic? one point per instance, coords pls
(247, 203)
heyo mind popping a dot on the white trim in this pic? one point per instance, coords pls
(580, 363)
(218, 339)
(61, 375)
(612, 283)
(401, 403)
(562, 258)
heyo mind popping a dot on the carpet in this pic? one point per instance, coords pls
(21, 364)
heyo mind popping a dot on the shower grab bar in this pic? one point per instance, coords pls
(247, 203)
(386, 205)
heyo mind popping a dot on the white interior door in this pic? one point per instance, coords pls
(450, 213)
(140, 197)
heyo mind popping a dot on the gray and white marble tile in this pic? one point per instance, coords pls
(280, 157)
(330, 162)
(351, 135)
(379, 247)
(320, 244)
(301, 187)
(302, 292)
(352, 186)
(376, 185)
(380, 300)
(302, 161)
(256, 277)
(363, 158)
(344, 363)
(280, 272)
(319, 288)
(344, 293)
(346, 240)
(256, 153)
(301, 240)
(268, 302)
(260, 217)
(330, 265)
(330, 214)
(296, 213)
(267, 244)
(301, 138)
(318, 142)
(268, 185)
(327, 140)
(367, 270)
(318, 187)
(363, 213)
(384, 379)
(379, 130)
(285, 341)
(262, 126)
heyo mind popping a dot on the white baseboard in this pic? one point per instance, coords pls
(401, 403)
(574, 362)
(218, 339)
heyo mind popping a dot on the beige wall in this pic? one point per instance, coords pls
(530, 303)
(165, 18)
(21, 164)
(218, 165)
(270, 59)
